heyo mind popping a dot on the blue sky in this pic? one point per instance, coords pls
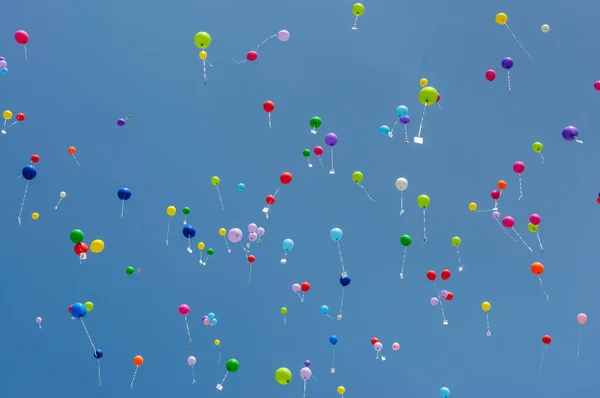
(91, 63)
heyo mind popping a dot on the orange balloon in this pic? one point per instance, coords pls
(138, 360)
(537, 268)
(72, 150)
(501, 185)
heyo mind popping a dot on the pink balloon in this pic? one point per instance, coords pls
(434, 301)
(191, 360)
(495, 215)
(443, 294)
(597, 85)
(283, 35)
(535, 219)
(378, 346)
(305, 373)
(260, 231)
(395, 346)
(296, 288)
(519, 167)
(3, 64)
(252, 227)
(235, 235)
(22, 37)
(206, 322)
(252, 236)
(184, 309)
(582, 318)
(495, 194)
(508, 222)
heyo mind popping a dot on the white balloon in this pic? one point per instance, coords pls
(63, 195)
(545, 28)
(401, 184)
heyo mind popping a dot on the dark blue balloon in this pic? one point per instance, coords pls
(78, 310)
(333, 339)
(29, 172)
(189, 231)
(345, 281)
(124, 193)
(98, 354)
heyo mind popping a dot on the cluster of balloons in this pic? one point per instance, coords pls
(7, 115)
(251, 56)
(209, 320)
(81, 248)
(3, 66)
(444, 294)
(202, 40)
(303, 287)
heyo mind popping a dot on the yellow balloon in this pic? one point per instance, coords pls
(423, 82)
(171, 210)
(472, 206)
(486, 306)
(96, 246)
(217, 342)
(7, 114)
(501, 18)
(89, 306)
(203, 55)
(35, 216)
(222, 231)
(200, 245)
(341, 390)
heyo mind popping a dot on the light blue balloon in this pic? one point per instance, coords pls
(4, 71)
(288, 245)
(211, 316)
(324, 309)
(336, 234)
(241, 186)
(402, 110)
(384, 130)
(445, 392)
(213, 321)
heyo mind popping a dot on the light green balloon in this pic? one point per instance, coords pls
(428, 96)
(358, 9)
(537, 147)
(202, 40)
(532, 228)
(357, 177)
(423, 201)
(283, 376)
(215, 180)
(456, 241)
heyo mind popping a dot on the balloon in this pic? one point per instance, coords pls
(288, 245)
(232, 365)
(507, 63)
(358, 9)
(443, 294)
(269, 106)
(472, 206)
(202, 55)
(431, 275)
(78, 310)
(260, 231)
(395, 346)
(80, 248)
(582, 318)
(331, 139)
(29, 172)
(545, 28)
(215, 180)
(62, 195)
(490, 74)
(20, 117)
(35, 158)
(445, 391)
(341, 390)
(189, 231)
(252, 236)
(4, 71)
(38, 320)
(171, 210)
(485, 306)
(296, 288)
(22, 37)
(357, 177)
(241, 186)
(184, 309)
(98, 353)
(72, 150)
(70, 309)
(428, 96)
(495, 215)
(333, 339)
(456, 241)
(532, 228)
(305, 373)
(402, 110)
(318, 150)
(546, 339)
(283, 310)
(324, 309)
(434, 301)
(535, 219)
(124, 193)
(374, 340)
(201, 246)
(537, 147)
(307, 363)
(446, 274)
(336, 234)
(315, 122)
(191, 360)
(405, 240)
(569, 133)
(305, 286)
(501, 18)
(97, 246)
(384, 130)
(3, 64)
(283, 376)
(306, 153)
(130, 270)
(235, 235)
(519, 167)
(401, 184)
(211, 316)
(537, 268)
(405, 119)
(345, 280)
(76, 236)
(138, 360)
(213, 321)
(217, 342)
(423, 201)
(35, 216)
(597, 85)
(285, 178)
(283, 35)
(501, 185)
(251, 258)
(202, 40)
(378, 346)
(222, 231)
(508, 222)
(252, 227)
(121, 122)
(252, 56)
(89, 306)
(423, 82)
(206, 322)
(495, 194)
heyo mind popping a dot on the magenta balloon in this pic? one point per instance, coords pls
(260, 231)
(443, 294)
(191, 361)
(434, 301)
(519, 167)
(508, 221)
(495, 194)
(22, 37)
(582, 318)
(252, 236)
(495, 215)
(296, 288)
(283, 35)
(184, 309)
(305, 373)
(252, 227)
(235, 235)
(378, 346)
(535, 219)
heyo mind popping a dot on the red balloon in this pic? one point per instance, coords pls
(251, 56)
(318, 150)
(69, 309)
(431, 275)
(35, 158)
(598, 200)
(251, 258)
(20, 117)
(80, 248)
(285, 178)
(439, 98)
(269, 106)
(450, 296)
(446, 274)
(490, 74)
(21, 37)
(305, 286)
(374, 340)
(546, 339)
(270, 199)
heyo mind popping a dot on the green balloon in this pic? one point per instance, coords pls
(456, 241)
(423, 201)
(357, 177)
(210, 252)
(315, 122)
(428, 96)
(283, 376)
(405, 240)
(202, 40)
(232, 365)
(186, 210)
(532, 227)
(306, 153)
(130, 270)
(537, 147)
(76, 236)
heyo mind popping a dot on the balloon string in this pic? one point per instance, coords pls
(168, 231)
(540, 241)
(391, 133)
(542, 286)
(193, 376)
(76, 161)
(220, 198)
(23, 202)
(134, 374)
(487, 320)
(246, 250)
(355, 23)
(518, 42)
(579, 341)
(320, 160)
(278, 188)
(4, 127)
(542, 360)
(486, 210)
(460, 264)
(88, 335)
(201, 255)
(223, 381)
(266, 211)
(187, 326)
(403, 262)
(314, 378)
(444, 320)
(520, 187)
(542, 156)
(56, 207)
(579, 141)
(25, 47)
(238, 62)
(332, 171)
(313, 130)
(406, 141)
(339, 317)
(122, 208)
(519, 236)
(204, 67)
(185, 220)
(250, 275)
(284, 319)
(12, 124)
(364, 189)
(219, 361)
(309, 163)
(341, 258)
(424, 228)
(269, 120)
(504, 229)
(439, 106)
(266, 40)
(304, 394)
(227, 245)
(496, 201)
(333, 361)
(422, 118)
(99, 375)
(508, 74)
(401, 202)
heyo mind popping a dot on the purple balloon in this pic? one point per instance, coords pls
(305, 373)
(307, 363)
(121, 122)
(331, 139)
(570, 133)
(507, 63)
(235, 235)
(2, 59)
(434, 301)
(443, 294)
(204, 317)
(405, 119)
